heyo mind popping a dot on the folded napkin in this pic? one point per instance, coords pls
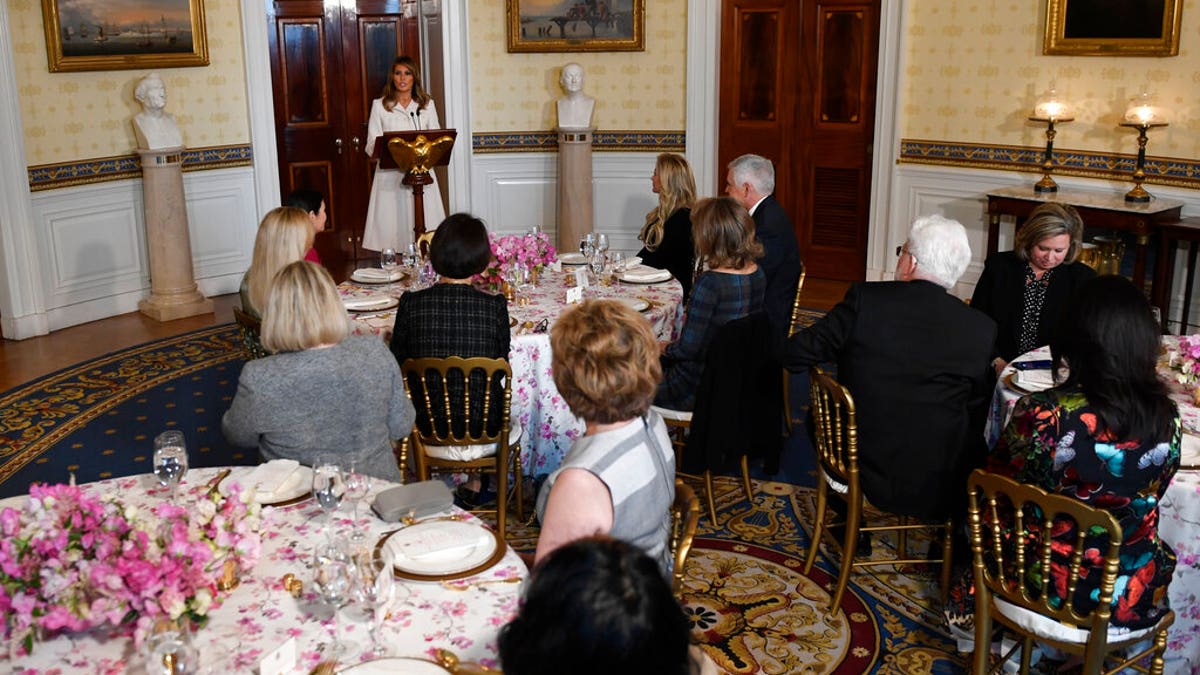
(368, 303)
(645, 274)
(271, 478)
(445, 539)
(1034, 380)
(632, 261)
(377, 274)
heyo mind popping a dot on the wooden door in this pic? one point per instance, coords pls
(799, 83)
(328, 61)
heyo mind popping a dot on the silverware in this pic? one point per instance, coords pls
(409, 520)
(453, 586)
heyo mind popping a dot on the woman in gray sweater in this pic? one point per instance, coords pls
(322, 392)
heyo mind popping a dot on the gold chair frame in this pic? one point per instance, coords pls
(792, 330)
(251, 329)
(1001, 574)
(836, 430)
(677, 429)
(424, 241)
(497, 463)
(685, 517)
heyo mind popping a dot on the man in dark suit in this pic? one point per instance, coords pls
(751, 180)
(915, 359)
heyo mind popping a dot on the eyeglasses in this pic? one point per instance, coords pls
(900, 250)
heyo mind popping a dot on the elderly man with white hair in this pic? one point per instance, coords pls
(915, 358)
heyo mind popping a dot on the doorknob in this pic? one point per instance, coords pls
(354, 142)
(338, 143)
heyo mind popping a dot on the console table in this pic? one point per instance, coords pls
(1103, 210)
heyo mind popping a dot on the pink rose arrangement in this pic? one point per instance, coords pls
(533, 250)
(71, 561)
(1185, 360)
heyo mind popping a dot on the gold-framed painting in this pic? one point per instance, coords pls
(576, 25)
(1112, 27)
(124, 34)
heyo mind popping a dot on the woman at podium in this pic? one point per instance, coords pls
(403, 106)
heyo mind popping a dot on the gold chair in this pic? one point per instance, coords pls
(251, 327)
(836, 430)
(685, 516)
(1008, 579)
(424, 242)
(679, 422)
(448, 416)
(792, 330)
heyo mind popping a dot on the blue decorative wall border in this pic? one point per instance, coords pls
(53, 176)
(1160, 170)
(541, 141)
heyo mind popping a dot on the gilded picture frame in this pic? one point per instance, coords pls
(576, 25)
(124, 34)
(1112, 27)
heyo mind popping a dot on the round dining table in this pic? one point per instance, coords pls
(1179, 511)
(244, 625)
(549, 426)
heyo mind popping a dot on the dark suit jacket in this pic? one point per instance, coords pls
(1000, 293)
(915, 359)
(780, 262)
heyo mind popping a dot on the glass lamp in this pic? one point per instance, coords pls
(1142, 114)
(1049, 110)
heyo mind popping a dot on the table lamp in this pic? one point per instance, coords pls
(1142, 114)
(1049, 110)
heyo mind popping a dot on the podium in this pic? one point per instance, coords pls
(415, 153)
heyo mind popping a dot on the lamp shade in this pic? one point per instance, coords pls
(1143, 109)
(1051, 108)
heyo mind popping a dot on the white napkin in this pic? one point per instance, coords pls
(1034, 380)
(645, 274)
(268, 479)
(1189, 453)
(572, 259)
(450, 539)
(632, 261)
(369, 302)
(377, 274)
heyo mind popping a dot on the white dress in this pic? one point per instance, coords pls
(390, 211)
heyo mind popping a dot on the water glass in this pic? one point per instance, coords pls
(329, 486)
(602, 243)
(170, 459)
(427, 276)
(376, 584)
(357, 486)
(412, 257)
(169, 650)
(388, 261)
(587, 245)
(333, 579)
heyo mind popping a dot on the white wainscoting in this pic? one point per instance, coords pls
(91, 244)
(961, 194)
(513, 191)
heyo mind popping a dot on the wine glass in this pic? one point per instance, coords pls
(412, 256)
(376, 583)
(333, 579)
(387, 260)
(602, 244)
(329, 486)
(587, 245)
(618, 265)
(357, 485)
(170, 459)
(169, 650)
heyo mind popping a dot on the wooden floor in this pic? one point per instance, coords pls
(24, 360)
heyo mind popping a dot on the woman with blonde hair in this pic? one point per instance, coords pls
(667, 234)
(285, 235)
(321, 393)
(730, 285)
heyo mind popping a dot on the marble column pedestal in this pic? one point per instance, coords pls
(574, 186)
(173, 292)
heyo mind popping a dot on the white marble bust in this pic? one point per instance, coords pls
(154, 126)
(574, 109)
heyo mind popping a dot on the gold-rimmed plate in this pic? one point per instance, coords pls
(298, 487)
(456, 549)
(395, 665)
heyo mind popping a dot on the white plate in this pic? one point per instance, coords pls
(15, 502)
(636, 304)
(643, 277)
(374, 275)
(395, 665)
(441, 547)
(375, 303)
(298, 485)
(572, 258)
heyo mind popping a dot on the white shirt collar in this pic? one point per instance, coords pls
(755, 207)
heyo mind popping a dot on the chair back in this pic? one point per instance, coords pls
(835, 427)
(424, 242)
(460, 401)
(1056, 532)
(793, 325)
(685, 516)
(251, 327)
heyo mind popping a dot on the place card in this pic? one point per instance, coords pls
(581, 277)
(280, 660)
(574, 295)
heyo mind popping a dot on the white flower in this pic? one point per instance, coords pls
(202, 601)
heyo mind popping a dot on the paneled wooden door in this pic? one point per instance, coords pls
(798, 87)
(329, 59)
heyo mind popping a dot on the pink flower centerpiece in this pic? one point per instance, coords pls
(532, 250)
(1184, 359)
(71, 561)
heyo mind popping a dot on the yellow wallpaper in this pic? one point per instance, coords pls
(973, 70)
(73, 116)
(633, 90)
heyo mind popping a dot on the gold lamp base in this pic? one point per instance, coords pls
(1046, 184)
(1138, 194)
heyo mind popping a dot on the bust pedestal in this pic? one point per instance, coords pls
(574, 186)
(173, 292)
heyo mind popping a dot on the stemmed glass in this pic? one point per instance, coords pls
(357, 485)
(388, 261)
(412, 257)
(376, 583)
(602, 244)
(170, 650)
(170, 459)
(587, 245)
(618, 265)
(333, 578)
(329, 486)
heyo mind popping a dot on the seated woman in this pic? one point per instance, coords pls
(1026, 290)
(322, 392)
(453, 318)
(598, 605)
(619, 477)
(730, 286)
(313, 203)
(284, 234)
(1108, 436)
(667, 234)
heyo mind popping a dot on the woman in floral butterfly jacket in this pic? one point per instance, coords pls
(1108, 436)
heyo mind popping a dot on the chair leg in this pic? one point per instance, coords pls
(708, 491)
(403, 458)
(746, 480)
(502, 498)
(849, 549)
(1160, 647)
(520, 487)
(947, 559)
(983, 642)
(819, 526)
(787, 406)
(1026, 654)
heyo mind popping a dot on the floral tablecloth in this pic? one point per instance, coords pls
(1179, 519)
(548, 423)
(260, 615)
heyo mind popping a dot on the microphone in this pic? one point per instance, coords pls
(415, 120)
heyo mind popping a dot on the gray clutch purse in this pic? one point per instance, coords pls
(415, 500)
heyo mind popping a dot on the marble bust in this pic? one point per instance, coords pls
(574, 109)
(154, 126)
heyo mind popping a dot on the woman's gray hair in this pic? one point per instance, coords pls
(755, 170)
(940, 248)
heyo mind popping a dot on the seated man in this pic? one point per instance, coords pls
(915, 359)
